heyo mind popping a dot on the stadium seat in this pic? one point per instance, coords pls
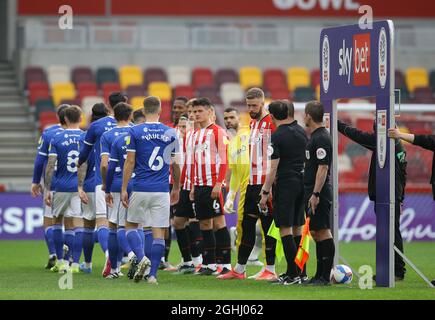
(130, 75)
(75, 102)
(279, 94)
(231, 92)
(137, 102)
(416, 77)
(166, 115)
(303, 94)
(297, 77)
(365, 124)
(224, 76)
(88, 102)
(202, 77)
(82, 74)
(184, 91)
(274, 80)
(107, 75)
(58, 74)
(87, 89)
(315, 78)
(179, 75)
(250, 77)
(63, 90)
(404, 95)
(154, 75)
(108, 88)
(210, 93)
(399, 79)
(423, 95)
(34, 74)
(38, 90)
(160, 89)
(47, 118)
(136, 91)
(43, 105)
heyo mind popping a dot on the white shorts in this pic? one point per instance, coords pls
(117, 213)
(88, 210)
(149, 209)
(48, 212)
(66, 204)
(100, 202)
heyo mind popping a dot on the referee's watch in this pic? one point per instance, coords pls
(316, 194)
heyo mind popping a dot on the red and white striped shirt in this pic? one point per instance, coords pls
(188, 164)
(210, 155)
(259, 141)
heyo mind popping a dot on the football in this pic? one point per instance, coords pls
(341, 274)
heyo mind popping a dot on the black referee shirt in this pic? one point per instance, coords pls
(318, 152)
(288, 144)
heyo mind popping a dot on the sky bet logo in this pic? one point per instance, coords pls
(359, 53)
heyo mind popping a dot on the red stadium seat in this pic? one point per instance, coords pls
(399, 79)
(34, 74)
(37, 91)
(166, 115)
(274, 80)
(423, 95)
(315, 78)
(282, 93)
(184, 91)
(47, 118)
(202, 77)
(136, 91)
(82, 74)
(365, 124)
(108, 88)
(87, 89)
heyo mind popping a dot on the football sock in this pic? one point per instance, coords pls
(195, 237)
(48, 233)
(122, 240)
(327, 252)
(248, 239)
(135, 243)
(113, 248)
(223, 245)
(69, 241)
(78, 244)
(103, 237)
(88, 244)
(157, 250)
(184, 244)
(148, 242)
(269, 242)
(290, 250)
(209, 255)
(58, 240)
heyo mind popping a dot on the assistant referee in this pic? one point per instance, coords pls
(287, 166)
(318, 191)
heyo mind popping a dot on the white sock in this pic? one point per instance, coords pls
(197, 260)
(131, 255)
(88, 264)
(227, 265)
(52, 255)
(106, 254)
(112, 270)
(271, 268)
(240, 268)
(212, 266)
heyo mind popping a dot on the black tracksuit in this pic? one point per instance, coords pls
(368, 140)
(428, 142)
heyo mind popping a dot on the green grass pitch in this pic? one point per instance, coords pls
(22, 277)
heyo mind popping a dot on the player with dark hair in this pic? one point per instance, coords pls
(38, 170)
(210, 165)
(65, 202)
(138, 117)
(92, 142)
(286, 173)
(318, 191)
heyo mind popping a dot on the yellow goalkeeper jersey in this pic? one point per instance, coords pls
(238, 160)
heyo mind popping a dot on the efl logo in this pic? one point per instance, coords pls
(361, 59)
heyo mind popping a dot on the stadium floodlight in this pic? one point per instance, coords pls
(358, 63)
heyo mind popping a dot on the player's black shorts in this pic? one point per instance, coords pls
(205, 206)
(252, 199)
(322, 217)
(184, 207)
(288, 202)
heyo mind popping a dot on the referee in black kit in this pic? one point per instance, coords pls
(287, 165)
(318, 191)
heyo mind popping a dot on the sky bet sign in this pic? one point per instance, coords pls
(355, 60)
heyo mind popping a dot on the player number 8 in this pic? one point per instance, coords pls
(73, 157)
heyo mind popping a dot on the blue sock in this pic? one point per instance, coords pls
(58, 240)
(120, 256)
(78, 244)
(103, 238)
(113, 248)
(122, 240)
(88, 244)
(142, 236)
(135, 243)
(148, 242)
(95, 236)
(69, 241)
(157, 250)
(49, 240)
